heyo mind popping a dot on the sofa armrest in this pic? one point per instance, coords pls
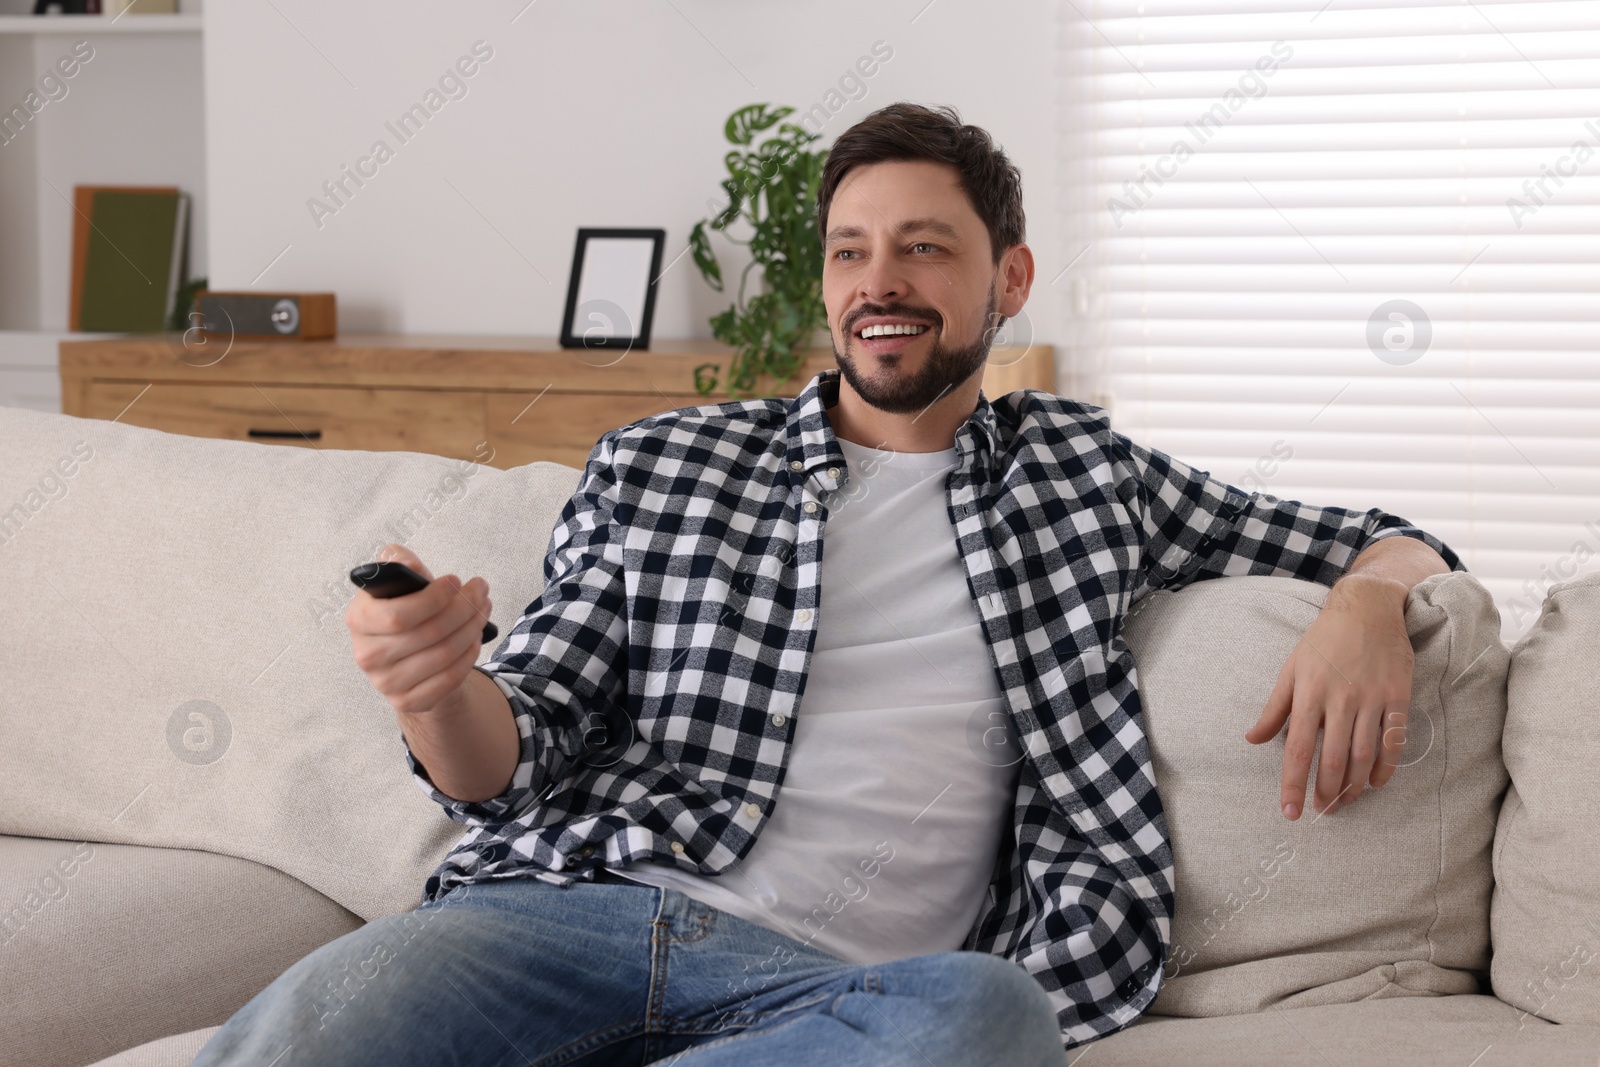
(104, 947)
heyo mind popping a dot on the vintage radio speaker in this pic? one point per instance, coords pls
(266, 316)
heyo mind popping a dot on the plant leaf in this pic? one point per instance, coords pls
(723, 326)
(735, 206)
(704, 258)
(800, 134)
(744, 124)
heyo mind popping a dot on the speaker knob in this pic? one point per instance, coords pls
(285, 316)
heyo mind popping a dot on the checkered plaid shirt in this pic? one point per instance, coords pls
(656, 679)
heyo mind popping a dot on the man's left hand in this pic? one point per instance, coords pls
(1350, 676)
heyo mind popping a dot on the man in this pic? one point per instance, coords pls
(737, 799)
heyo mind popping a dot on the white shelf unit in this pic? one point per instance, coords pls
(82, 24)
(29, 374)
(133, 114)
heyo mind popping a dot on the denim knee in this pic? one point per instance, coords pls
(995, 1005)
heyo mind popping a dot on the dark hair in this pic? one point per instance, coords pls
(910, 132)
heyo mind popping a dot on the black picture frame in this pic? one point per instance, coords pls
(607, 307)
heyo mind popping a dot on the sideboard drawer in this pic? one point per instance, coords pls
(412, 420)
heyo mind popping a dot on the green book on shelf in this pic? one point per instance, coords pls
(127, 258)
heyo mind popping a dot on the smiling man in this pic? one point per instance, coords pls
(822, 743)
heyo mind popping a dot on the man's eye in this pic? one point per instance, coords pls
(843, 252)
(925, 244)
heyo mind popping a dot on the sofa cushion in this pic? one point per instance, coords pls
(1386, 897)
(1546, 914)
(182, 675)
(107, 946)
(1463, 1031)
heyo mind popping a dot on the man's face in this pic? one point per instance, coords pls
(905, 248)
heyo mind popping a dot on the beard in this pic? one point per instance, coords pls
(945, 367)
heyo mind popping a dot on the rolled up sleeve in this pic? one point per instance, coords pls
(563, 664)
(1195, 526)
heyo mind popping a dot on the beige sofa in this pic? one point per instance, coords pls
(197, 786)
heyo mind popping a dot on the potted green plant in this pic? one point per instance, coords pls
(772, 186)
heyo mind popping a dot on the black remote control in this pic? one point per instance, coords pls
(388, 580)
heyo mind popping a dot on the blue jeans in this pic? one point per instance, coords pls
(522, 973)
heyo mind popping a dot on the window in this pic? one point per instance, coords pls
(1349, 253)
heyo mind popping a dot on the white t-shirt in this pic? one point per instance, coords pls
(903, 768)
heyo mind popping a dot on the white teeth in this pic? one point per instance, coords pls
(890, 331)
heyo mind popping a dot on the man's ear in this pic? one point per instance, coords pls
(1014, 280)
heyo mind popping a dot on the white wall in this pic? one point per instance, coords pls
(587, 114)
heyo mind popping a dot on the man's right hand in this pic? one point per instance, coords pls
(417, 650)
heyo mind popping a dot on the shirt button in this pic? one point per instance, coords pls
(677, 846)
(796, 465)
(833, 472)
(803, 615)
(586, 851)
(779, 719)
(752, 810)
(810, 507)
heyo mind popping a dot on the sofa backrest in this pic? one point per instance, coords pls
(1546, 915)
(1386, 897)
(176, 670)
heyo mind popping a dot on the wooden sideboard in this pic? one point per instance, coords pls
(524, 398)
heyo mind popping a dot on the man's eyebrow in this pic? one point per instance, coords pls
(937, 227)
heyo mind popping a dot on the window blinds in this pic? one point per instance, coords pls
(1346, 252)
